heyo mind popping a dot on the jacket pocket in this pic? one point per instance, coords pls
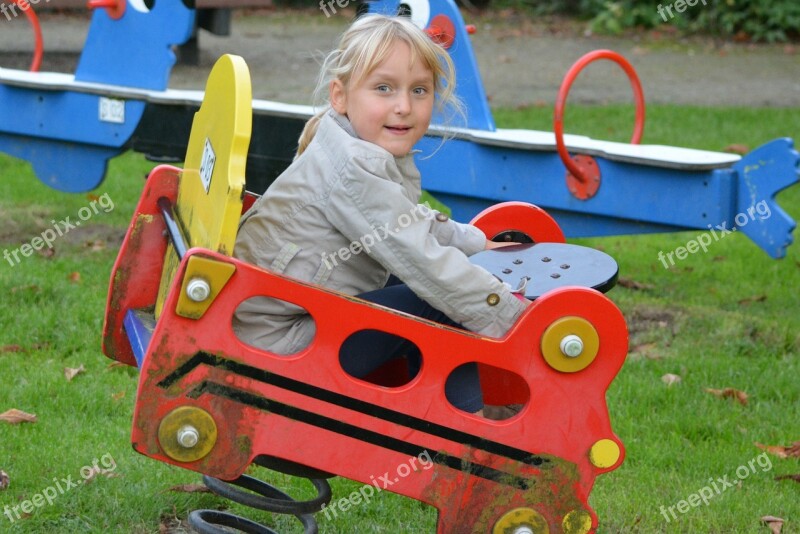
(285, 255)
(323, 273)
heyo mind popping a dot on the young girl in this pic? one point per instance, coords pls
(354, 187)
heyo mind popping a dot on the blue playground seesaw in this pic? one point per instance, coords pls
(69, 126)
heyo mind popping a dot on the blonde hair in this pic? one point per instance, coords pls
(364, 46)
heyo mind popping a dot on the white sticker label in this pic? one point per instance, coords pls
(207, 164)
(112, 110)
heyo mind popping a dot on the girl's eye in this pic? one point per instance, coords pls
(383, 88)
(420, 91)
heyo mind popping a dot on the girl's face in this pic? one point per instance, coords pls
(392, 106)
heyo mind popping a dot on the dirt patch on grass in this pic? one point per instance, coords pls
(651, 330)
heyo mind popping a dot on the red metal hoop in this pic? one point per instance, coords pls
(38, 51)
(561, 101)
(114, 8)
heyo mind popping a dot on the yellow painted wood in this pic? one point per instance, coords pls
(194, 420)
(604, 453)
(521, 520)
(214, 273)
(212, 183)
(577, 522)
(560, 328)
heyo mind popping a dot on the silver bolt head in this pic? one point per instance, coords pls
(188, 436)
(198, 290)
(571, 346)
(523, 530)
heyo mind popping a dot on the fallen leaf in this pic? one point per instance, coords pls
(719, 258)
(11, 348)
(96, 245)
(737, 149)
(47, 252)
(190, 488)
(729, 393)
(632, 284)
(775, 524)
(114, 364)
(92, 197)
(796, 477)
(670, 379)
(72, 372)
(757, 298)
(74, 277)
(15, 416)
(790, 451)
(643, 347)
(24, 288)
(117, 396)
(4, 480)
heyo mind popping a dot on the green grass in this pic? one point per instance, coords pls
(728, 318)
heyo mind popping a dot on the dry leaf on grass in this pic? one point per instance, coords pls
(15, 416)
(633, 284)
(11, 348)
(114, 364)
(74, 277)
(670, 379)
(737, 149)
(72, 372)
(756, 298)
(4, 480)
(190, 488)
(729, 393)
(775, 524)
(117, 396)
(796, 477)
(789, 451)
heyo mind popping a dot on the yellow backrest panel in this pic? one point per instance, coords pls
(212, 182)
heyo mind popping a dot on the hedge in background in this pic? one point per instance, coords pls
(757, 20)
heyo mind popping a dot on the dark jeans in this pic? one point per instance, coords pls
(366, 351)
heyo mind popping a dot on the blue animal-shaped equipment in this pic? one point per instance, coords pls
(69, 126)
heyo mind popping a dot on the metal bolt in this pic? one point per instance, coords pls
(525, 529)
(188, 436)
(506, 271)
(565, 266)
(571, 346)
(545, 259)
(555, 275)
(517, 262)
(198, 289)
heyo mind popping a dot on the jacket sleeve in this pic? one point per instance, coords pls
(368, 208)
(449, 233)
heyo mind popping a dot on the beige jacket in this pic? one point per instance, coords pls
(345, 215)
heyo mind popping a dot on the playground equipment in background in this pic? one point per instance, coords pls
(69, 126)
(208, 402)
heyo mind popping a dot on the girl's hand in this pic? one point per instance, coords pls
(495, 244)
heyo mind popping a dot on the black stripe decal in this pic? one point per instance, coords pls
(351, 431)
(364, 407)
